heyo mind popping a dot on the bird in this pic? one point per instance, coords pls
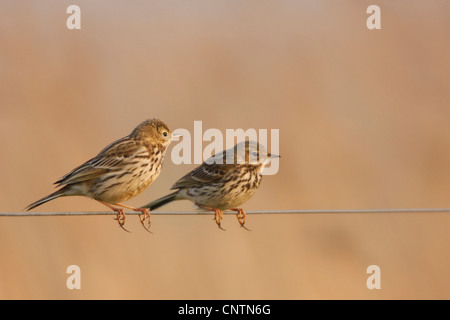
(122, 170)
(223, 182)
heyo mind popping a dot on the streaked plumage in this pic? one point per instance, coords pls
(225, 181)
(120, 171)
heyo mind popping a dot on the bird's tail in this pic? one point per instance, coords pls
(162, 201)
(54, 195)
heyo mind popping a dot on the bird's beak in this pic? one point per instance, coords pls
(270, 155)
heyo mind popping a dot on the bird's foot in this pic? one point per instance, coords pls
(241, 217)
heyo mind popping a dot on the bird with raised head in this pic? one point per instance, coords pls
(120, 171)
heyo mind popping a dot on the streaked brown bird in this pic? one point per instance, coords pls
(120, 171)
(224, 181)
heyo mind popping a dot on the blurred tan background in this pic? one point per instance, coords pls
(363, 118)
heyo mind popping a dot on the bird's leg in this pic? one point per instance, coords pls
(145, 214)
(217, 217)
(120, 214)
(241, 217)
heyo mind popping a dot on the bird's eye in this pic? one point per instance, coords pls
(165, 133)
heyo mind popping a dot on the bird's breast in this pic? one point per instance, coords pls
(133, 178)
(231, 191)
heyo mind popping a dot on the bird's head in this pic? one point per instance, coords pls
(246, 152)
(153, 131)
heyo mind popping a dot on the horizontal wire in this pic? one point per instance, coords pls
(199, 213)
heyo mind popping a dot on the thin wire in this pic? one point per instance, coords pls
(199, 213)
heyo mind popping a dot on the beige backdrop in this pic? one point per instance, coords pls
(363, 118)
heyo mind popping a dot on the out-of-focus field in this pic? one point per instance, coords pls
(363, 118)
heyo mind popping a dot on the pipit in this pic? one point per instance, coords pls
(223, 182)
(120, 171)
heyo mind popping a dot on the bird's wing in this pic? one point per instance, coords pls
(113, 157)
(206, 173)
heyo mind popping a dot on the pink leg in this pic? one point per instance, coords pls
(241, 217)
(145, 214)
(217, 217)
(120, 214)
